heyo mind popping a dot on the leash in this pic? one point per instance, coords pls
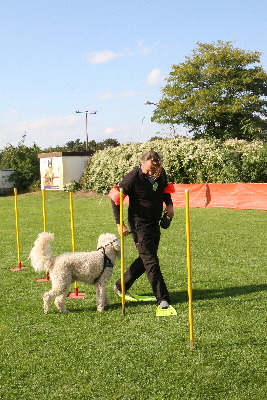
(103, 247)
(143, 226)
(164, 223)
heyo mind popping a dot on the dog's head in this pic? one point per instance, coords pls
(108, 239)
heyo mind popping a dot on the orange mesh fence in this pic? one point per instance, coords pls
(243, 196)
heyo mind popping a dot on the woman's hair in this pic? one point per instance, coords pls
(156, 161)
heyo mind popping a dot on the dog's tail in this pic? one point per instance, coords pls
(41, 253)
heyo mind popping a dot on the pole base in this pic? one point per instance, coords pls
(18, 268)
(47, 278)
(43, 280)
(76, 295)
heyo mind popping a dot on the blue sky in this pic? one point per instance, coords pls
(58, 56)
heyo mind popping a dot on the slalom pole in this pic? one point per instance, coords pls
(47, 278)
(122, 254)
(75, 294)
(44, 209)
(72, 223)
(19, 267)
(189, 272)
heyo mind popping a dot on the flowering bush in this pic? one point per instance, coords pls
(185, 161)
(72, 186)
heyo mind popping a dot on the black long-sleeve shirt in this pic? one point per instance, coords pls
(146, 197)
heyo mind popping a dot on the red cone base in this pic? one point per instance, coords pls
(43, 280)
(19, 267)
(47, 279)
(76, 294)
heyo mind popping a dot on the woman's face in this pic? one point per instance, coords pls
(148, 168)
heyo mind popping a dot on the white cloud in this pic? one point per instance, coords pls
(155, 77)
(44, 132)
(109, 131)
(143, 49)
(99, 57)
(119, 131)
(11, 112)
(102, 56)
(48, 123)
(125, 93)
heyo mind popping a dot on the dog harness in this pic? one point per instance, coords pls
(107, 263)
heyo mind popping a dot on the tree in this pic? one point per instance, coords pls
(77, 145)
(109, 143)
(24, 160)
(218, 91)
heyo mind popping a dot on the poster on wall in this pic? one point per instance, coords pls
(50, 173)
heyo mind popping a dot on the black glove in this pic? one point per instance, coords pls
(165, 221)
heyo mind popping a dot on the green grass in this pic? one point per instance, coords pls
(107, 356)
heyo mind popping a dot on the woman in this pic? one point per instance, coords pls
(146, 188)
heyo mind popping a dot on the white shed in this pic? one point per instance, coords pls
(60, 168)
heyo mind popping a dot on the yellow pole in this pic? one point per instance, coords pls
(47, 278)
(73, 237)
(122, 254)
(189, 272)
(17, 226)
(72, 223)
(44, 209)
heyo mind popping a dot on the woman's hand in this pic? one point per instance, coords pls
(169, 210)
(124, 228)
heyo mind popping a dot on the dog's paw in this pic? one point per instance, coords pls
(45, 308)
(65, 311)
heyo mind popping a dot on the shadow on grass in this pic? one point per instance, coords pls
(115, 306)
(182, 296)
(208, 294)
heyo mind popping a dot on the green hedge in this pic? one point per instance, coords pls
(185, 161)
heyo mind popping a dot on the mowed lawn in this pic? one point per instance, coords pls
(137, 356)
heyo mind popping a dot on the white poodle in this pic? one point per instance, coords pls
(93, 267)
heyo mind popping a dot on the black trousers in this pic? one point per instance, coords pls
(147, 241)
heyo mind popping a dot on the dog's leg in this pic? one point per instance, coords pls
(59, 300)
(61, 280)
(47, 298)
(99, 297)
(106, 299)
(60, 303)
